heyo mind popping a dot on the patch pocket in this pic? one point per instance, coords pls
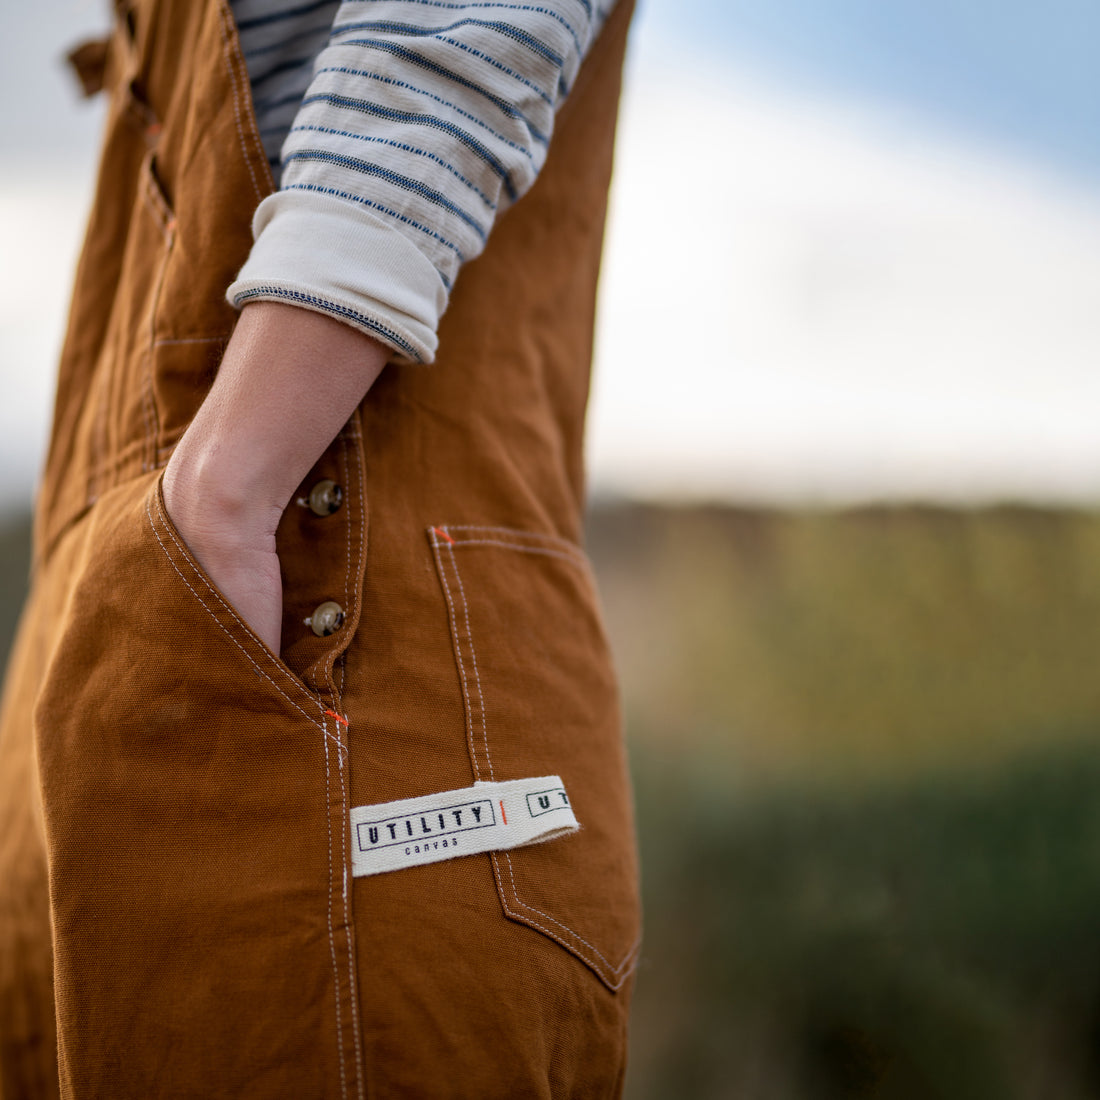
(540, 698)
(194, 796)
(152, 652)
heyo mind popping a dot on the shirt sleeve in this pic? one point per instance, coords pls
(423, 121)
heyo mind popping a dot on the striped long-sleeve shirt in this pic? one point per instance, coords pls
(397, 130)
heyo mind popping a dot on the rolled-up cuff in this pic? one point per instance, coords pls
(325, 254)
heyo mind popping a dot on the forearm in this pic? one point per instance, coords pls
(289, 381)
(421, 122)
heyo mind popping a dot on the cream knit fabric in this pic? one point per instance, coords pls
(420, 121)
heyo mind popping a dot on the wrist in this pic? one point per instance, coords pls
(207, 486)
(288, 383)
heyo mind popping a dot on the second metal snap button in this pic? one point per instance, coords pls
(327, 619)
(325, 498)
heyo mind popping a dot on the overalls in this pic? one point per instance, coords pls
(174, 799)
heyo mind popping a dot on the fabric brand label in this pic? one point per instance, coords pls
(487, 817)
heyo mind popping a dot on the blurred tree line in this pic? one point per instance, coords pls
(864, 746)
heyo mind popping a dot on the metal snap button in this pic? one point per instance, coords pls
(325, 498)
(327, 619)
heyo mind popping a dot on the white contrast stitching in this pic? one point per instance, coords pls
(330, 662)
(362, 513)
(460, 660)
(321, 725)
(344, 800)
(515, 532)
(569, 945)
(353, 996)
(227, 607)
(531, 909)
(573, 559)
(202, 602)
(473, 658)
(353, 433)
(608, 969)
(347, 526)
(331, 931)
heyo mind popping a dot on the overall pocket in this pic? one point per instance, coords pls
(195, 799)
(540, 698)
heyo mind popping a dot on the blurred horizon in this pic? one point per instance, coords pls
(853, 252)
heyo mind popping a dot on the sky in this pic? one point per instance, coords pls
(852, 253)
(1000, 71)
(872, 233)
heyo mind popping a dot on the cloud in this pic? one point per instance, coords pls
(810, 298)
(803, 298)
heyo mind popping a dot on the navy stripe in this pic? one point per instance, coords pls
(403, 218)
(331, 307)
(506, 30)
(430, 121)
(405, 148)
(320, 29)
(461, 6)
(396, 179)
(409, 55)
(264, 106)
(506, 107)
(289, 13)
(281, 69)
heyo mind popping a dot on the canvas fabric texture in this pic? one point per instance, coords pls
(178, 912)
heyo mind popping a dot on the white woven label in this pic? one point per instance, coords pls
(487, 817)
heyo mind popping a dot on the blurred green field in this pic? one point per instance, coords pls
(864, 747)
(865, 756)
(852, 644)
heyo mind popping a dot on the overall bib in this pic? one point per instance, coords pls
(176, 882)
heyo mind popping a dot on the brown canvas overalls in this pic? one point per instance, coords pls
(175, 879)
